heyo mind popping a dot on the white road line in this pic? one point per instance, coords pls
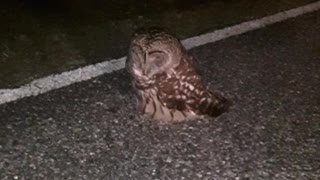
(55, 81)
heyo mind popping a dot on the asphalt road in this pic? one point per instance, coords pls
(90, 130)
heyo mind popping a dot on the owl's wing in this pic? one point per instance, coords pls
(169, 93)
(180, 92)
(189, 95)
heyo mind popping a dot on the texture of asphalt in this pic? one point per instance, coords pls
(90, 130)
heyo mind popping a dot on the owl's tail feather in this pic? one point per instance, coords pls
(218, 105)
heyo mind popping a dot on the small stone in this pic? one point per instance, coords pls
(169, 160)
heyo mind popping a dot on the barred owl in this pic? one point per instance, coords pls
(168, 87)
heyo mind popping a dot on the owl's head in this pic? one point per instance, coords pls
(153, 51)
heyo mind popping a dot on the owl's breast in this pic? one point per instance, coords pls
(144, 82)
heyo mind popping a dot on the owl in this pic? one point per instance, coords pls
(166, 82)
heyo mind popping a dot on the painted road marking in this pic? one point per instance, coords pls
(55, 81)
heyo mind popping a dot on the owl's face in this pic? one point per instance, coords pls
(151, 53)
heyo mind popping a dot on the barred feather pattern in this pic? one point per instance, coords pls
(172, 90)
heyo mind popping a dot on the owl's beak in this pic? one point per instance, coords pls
(144, 71)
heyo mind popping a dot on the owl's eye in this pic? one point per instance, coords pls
(157, 58)
(155, 61)
(137, 60)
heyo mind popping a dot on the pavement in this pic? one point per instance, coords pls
(91, 130)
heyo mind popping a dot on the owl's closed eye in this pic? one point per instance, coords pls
(155, 61)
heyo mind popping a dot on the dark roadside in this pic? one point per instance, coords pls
(39, 38)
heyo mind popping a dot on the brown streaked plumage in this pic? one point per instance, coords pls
(167, 85)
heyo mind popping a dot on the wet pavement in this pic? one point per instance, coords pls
(45, 37)
(90, 130)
